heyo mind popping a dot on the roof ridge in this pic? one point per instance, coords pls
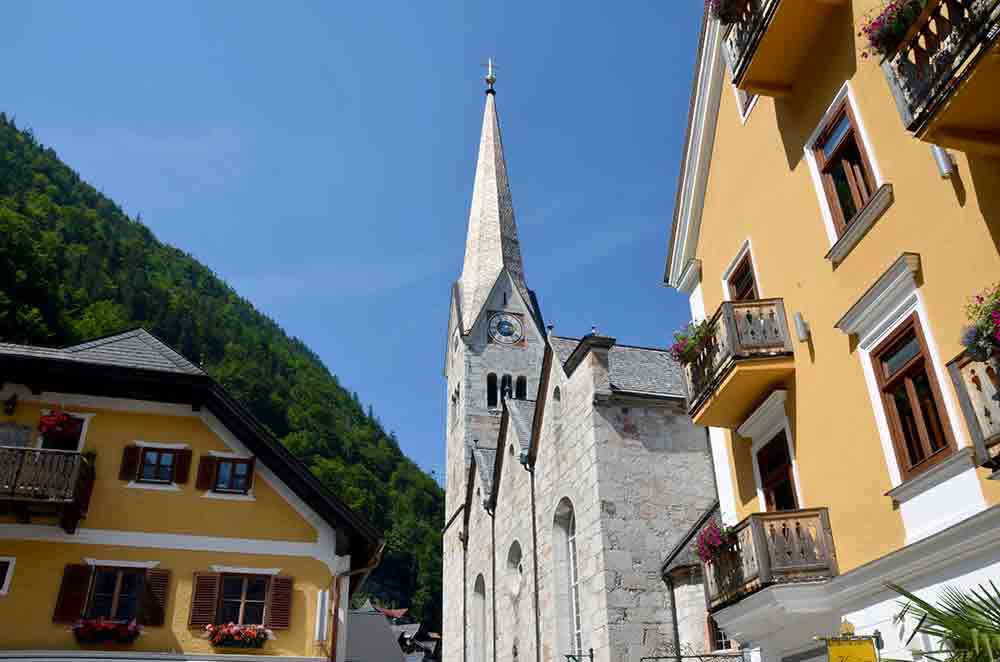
(165, 350)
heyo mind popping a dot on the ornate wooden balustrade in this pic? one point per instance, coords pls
(47, 482)
(744, 33)
(978, 387)
(772, 548)
(940, 50)
(740, 331)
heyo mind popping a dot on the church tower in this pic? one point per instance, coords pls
(495, 344)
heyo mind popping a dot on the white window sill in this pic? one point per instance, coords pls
(860, 226)
(161, 487)
(960, 460)
(225, 496)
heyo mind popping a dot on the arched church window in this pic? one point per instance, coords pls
(567, 579)
(557, 413)
(455, 397)
(491, 390)
(478, 638)
(506, 387)
(515, 571)
(521, 391)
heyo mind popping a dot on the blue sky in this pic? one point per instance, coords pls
(319, 156)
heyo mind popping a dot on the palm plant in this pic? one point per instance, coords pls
(966, 623)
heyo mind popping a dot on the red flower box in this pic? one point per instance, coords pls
(100, 631)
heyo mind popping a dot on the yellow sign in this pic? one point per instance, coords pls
(851, 650)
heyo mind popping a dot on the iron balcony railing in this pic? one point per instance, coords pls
(941, 48)
(771, 548)
(57, 482)
(740, 330)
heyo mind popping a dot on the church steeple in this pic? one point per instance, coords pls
(492, 243)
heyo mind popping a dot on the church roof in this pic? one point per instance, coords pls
(634, 369)
(131, 349)
(485, 459)
(492, 244)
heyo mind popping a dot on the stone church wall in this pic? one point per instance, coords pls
(692, 612)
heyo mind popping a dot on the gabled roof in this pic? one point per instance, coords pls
(134, 349)
(522, 412)
(370, 639)
(137, 366)
(685, 552)
(485, 458)
(647, 370)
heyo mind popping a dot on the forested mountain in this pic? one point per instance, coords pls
(73, 266)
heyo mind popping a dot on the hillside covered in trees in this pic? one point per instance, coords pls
(75, 266)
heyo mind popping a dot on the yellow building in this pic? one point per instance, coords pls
(835, 213)
(134, 491)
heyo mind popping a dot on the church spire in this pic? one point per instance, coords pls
(492, 243)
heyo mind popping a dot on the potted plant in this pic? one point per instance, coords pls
(100, 631)
(885, 28)
(982, 337)
(60, 428)
(726, 12)
(231, 635)
(962, 625)
(712, 541)
(689, 341)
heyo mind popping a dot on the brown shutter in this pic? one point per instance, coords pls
(206, 472)
(279, 604)
(154, 597)
(131, 458)
(73, 593)
(250, 468)
(182, 466)
(204, 599)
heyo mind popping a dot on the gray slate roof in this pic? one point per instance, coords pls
(485, 459)
(522, 415)
(369, 638)
(132, 349)
(639, 369)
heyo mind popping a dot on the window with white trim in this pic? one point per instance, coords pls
(6, 573)
(567, 575)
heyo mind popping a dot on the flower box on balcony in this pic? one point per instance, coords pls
(60, 430)
(231, 635)
(102, 631)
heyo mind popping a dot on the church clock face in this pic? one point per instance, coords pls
(505, 328)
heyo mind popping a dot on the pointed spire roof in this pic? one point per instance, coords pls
(492, 243)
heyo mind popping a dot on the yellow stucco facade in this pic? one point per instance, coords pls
(179, 527)
(760, 188)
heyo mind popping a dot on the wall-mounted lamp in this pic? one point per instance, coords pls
(945, 164)
(801, 328)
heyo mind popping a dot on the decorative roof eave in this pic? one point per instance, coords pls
(526, 296)
(699, 141)
(587, 343)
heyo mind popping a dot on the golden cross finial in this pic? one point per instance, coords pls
(490, 76)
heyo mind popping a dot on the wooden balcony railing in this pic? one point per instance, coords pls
(940, 49)
(48, 482)
(978, 386)
(772, 548)
(741, 330)
(743, 34)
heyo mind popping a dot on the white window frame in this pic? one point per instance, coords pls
(761, 427)
(746, 248)
(172, 486)
(576, 636)
(5, 584)
(744, 111)
(845, 92)
(948, 492)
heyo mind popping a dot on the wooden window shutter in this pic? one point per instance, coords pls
(279, 604)
(73, 592)
(153, 608)
(204, 599)
(182, 466)
(250, 469)
(131, 458)
(207, 466)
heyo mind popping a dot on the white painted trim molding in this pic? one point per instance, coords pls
(322, 615)
(235, 570)
(890, 292)
(122, 564)
(761, 428)
(228, 455)
(160, 487)
(229, 496)
(5, 585)
(960, 461)
(690, 277)
(156, 444)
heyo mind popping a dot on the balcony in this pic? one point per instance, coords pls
(771, 548)
(771, 40)
(978, 387)
(47, 483)
(747, 354)
(946, 73)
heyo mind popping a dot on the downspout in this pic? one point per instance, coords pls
(493, 571)
(464, 537)
(335, 587)
(534, 556)
(673, 615)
